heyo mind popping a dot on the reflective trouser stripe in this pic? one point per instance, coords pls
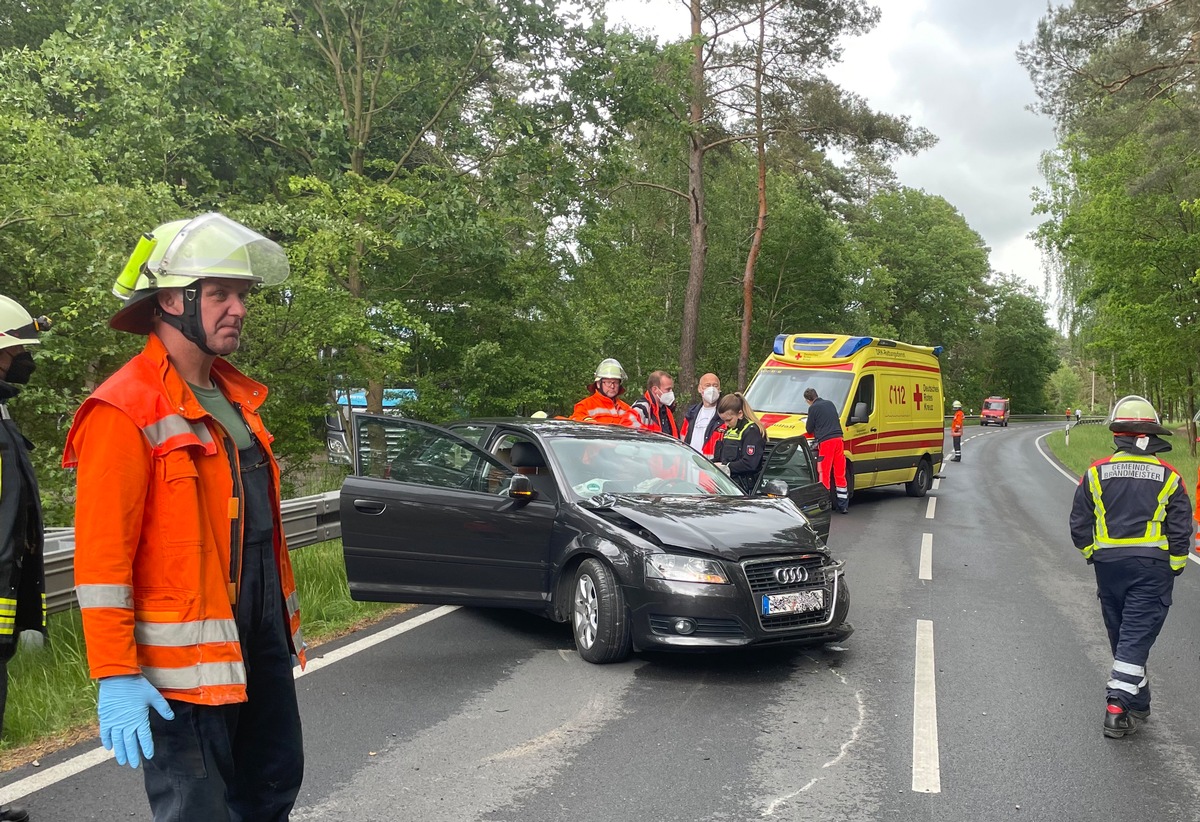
(104, 596)
(183, 634)
(843, 492)
(206, 674)
(1127, 677)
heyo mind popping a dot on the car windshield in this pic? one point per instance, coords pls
(781, 391)
(993, 406)
(646, 465)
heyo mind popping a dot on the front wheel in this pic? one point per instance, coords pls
(599, 618)
(921, 481)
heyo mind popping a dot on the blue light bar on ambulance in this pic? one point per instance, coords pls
(937, 350)
(780, 342)
(853, 345)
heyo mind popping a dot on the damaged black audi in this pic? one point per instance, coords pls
(637, 540)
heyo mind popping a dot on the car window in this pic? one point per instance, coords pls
(865, 394)
(791, 462)
(470, 433)
(644, 465)
(410, 452)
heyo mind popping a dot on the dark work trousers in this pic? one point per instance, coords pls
(242, 762)
(957, 445)
(7, 649)
(1135, 594)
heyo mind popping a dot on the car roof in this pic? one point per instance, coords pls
(551, 428)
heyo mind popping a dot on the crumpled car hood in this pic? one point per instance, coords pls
(731, 528)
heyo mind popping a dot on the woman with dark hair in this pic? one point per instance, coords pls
(740, 451)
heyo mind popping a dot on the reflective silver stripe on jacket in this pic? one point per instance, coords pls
(174, 425)
(183, 634)
(104, 596)
(206, 674)
(293, 604)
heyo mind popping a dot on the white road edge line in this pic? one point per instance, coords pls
(926, 770)
(1075, 480)
(926, 571)
(930, 508)
(1038, 442)
(78, 764)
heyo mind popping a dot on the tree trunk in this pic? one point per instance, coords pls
(698, 232)
(760, 225)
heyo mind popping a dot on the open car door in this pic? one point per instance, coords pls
(792, 461)
(430, 517)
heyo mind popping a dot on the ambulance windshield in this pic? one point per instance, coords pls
(781, 390)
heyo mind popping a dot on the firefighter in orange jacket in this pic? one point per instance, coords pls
(956, 431)
(602, 403)
(182, 574)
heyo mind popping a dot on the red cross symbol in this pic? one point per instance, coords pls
(917, 395)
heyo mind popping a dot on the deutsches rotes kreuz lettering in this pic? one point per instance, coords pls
(1133, 471)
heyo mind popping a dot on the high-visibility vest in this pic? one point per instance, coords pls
(1156, 482)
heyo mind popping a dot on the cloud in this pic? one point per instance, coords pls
(950, 66)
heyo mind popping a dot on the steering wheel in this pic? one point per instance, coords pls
(672, 485)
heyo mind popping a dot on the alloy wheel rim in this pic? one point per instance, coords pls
(587, 611)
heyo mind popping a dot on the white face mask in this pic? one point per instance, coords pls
(711, 395)
(666, 397)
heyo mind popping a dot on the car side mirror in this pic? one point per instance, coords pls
(521, 487)
(860, 413)
(776, 488)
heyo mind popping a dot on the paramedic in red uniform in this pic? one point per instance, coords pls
(825, 428)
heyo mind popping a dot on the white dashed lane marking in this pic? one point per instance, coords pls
(930, 509)
(926, 570)
(926, 769)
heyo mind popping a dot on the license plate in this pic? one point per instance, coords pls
(794, 603)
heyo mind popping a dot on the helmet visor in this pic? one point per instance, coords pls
(212, 245)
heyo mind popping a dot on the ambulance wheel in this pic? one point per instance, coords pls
(921, 481)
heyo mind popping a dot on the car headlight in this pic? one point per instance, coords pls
(685, 569)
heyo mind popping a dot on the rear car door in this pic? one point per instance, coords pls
(793, 462)
(427, 517)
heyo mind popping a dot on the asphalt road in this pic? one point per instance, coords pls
(973, 689)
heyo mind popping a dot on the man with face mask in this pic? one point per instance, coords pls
(22, 579)
(701, 422)
(656, 408)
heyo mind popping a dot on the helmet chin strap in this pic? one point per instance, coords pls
(189, 323)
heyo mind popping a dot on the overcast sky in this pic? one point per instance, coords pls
(950, 66)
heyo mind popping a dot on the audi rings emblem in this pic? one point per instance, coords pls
(791, 575)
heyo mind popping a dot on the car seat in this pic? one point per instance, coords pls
(528, 460)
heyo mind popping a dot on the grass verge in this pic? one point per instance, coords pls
(1091, 442)
(52, 701)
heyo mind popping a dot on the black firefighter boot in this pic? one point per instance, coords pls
(13, 814)
(1118, 722)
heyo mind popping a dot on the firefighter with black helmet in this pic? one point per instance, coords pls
(1132, 520)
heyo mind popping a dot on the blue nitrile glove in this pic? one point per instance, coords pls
(124, 710)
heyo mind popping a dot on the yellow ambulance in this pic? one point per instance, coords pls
(888, 394)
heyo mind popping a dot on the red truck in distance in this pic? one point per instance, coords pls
(995, 412)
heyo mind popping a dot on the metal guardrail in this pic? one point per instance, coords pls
(306, 521)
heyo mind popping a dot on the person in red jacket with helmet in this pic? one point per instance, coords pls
(956, 431)
(189, 606)
(602, 403)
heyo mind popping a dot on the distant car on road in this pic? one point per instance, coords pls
(994, 412)
(636, 539)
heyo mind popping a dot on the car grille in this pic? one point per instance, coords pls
(660, 624)
(760, 574)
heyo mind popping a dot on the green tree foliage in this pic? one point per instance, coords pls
(480, 200)
(1120, 79)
